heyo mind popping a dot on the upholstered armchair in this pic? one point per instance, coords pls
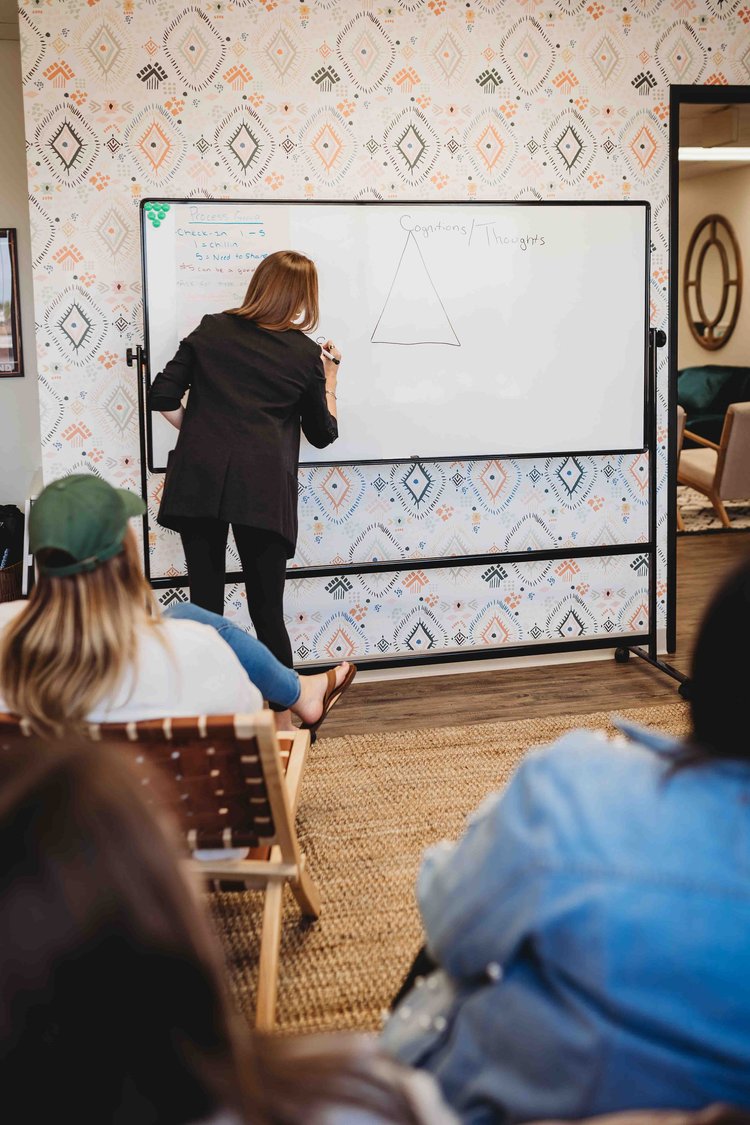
(721, 472)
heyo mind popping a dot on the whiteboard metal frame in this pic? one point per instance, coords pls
(622, 643)
(416, 457)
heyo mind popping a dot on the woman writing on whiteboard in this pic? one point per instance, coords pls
(255, 379)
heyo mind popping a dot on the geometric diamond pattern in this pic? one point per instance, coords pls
(643, 145)
(419, 631)
(245, 145)
(67, 144)
(528, 54)
(570, 146)
(195, 48)
(570, 474)
(114, 230)
(571, 479)
(155, 143)
(448, 55)
(419, 639)
(328, 145)
(412, 145)
(571, 619)
(417, 482)
(77, 324)
(366, 52)
(491, 146)
(571, 625)
(680, 55)
(120, 408)
(281, 52)
(493, 626)
(418, 487)
(605, 58)
(103, 48)
(336, 487)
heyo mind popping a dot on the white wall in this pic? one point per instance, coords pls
(20, 453)
(724, 193)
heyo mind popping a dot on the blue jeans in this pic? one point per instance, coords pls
(275, 682)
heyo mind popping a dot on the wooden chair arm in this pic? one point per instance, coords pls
(700, 440)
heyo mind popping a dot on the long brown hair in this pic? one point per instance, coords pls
(112, 998)
(282, 294)
(75, 641)
(111, 1003)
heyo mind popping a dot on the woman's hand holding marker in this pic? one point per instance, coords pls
(331, 352)
(331, 360)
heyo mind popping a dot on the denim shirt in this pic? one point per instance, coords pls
(593, 932)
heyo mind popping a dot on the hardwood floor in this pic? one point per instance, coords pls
(560, 689)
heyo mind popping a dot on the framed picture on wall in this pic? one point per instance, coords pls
(11, 356)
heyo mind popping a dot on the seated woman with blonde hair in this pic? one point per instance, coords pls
(90, 644)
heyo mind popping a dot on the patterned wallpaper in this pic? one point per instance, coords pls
(422, 99)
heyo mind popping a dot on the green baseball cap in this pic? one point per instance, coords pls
(83, 516)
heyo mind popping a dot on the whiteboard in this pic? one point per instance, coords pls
(468, 330)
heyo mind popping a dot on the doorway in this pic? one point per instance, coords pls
(709, 316)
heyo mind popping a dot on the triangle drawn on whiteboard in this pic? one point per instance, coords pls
(413, 312)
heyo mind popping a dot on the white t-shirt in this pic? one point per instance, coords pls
(194, 673)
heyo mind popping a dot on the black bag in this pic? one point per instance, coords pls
(11, 535)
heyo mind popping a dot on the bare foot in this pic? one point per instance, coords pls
(309, 706)
(283, 720)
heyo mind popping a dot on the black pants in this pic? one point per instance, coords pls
(263, 557)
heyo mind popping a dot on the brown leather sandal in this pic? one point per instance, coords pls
(332, 695)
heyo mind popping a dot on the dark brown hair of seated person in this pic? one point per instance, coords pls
(282, 294)
(719, 675)
(112, 1001)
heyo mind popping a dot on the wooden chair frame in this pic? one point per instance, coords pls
(680, 439)
(721, 451)
(272, 766)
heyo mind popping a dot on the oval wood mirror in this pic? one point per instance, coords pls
(712, 282)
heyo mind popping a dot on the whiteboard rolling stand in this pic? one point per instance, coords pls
(657, 338)
(643, 644)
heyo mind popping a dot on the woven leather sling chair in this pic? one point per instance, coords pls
(233, 782)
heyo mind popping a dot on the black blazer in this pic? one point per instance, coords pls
(237, 453)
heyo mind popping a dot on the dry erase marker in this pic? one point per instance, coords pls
(331, 357)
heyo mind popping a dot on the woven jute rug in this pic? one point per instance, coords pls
(370, 805)
(698, 515)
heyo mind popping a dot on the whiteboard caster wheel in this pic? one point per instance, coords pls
(622, 655)
(685, 690)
